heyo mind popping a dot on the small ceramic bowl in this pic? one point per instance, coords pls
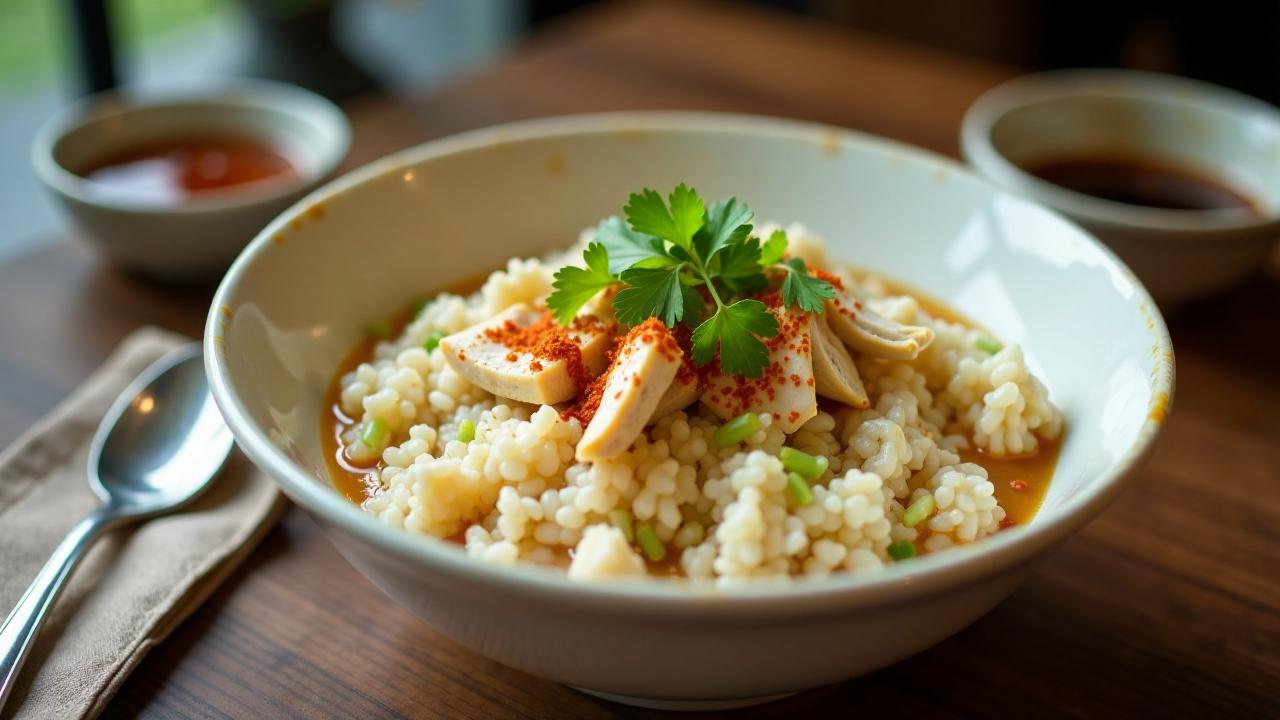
(196, 238)
(1179, 254)
(295, 303)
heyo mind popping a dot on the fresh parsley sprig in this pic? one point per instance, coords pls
(677, 259)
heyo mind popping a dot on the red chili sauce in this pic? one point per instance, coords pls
(176, 170)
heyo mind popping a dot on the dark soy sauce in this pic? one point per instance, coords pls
(1141, 181)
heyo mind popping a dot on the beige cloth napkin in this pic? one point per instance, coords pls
(137, 583)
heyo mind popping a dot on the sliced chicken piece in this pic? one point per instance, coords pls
(643, 368)
(593, 338)
(479, 355)
(787, 389)
(867, 331)
(593, 328)
(682, 393)
(833, 370)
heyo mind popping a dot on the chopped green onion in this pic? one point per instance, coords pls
(418, 305)
(466, 431)
(650, 545)
(902, 550)
(374, 435)
(919, 509)
(988, 345)
(621, 519)
(809, 466)
(433, 341)
(798, 491)
(378, 329)
(737, 430)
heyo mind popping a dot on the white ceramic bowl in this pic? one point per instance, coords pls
(294, 304)
(1179, 254)
(198, 238)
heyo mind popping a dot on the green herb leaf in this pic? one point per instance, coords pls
(575, 286)
(689, 213)
(626, 246)
(681, 260)
(648, 214)
(650, 292)
(774, 248)
(727, 222)
(739, 267)
(694, 305)
(734, 329)
(802, 290)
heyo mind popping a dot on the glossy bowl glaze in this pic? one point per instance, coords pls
(294, 304)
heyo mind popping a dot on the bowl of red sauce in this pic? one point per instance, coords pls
(172, 184)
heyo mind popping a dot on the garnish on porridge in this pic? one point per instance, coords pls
(684, 393)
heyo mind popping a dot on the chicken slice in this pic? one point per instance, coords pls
(593, 337)
(867, 331)
(682, 393)
(643, 368)
(833, 370)
(476, 355)
(787, 389)
(593, 329)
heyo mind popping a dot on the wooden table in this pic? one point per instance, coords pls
(1168, 605)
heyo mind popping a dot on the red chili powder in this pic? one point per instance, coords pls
(544, 339)
(648, 332)
(839, 301)
(821, 274)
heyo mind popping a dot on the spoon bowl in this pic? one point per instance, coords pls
(161, 441)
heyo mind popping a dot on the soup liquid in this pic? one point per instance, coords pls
(175, 170)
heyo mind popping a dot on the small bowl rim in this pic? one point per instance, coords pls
(231, 93)
(838, 594)
(1135, 85)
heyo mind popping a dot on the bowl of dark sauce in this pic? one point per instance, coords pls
(173, 183)
(1180, 178)
(1142, 181)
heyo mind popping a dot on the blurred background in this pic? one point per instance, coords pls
(53, 51)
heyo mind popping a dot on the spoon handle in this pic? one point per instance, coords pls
(20, 628)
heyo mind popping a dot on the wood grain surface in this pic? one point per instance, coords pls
(1166, 606)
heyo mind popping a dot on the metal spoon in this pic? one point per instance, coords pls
(159, 446)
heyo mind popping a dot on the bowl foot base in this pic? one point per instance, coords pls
(683, 705)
